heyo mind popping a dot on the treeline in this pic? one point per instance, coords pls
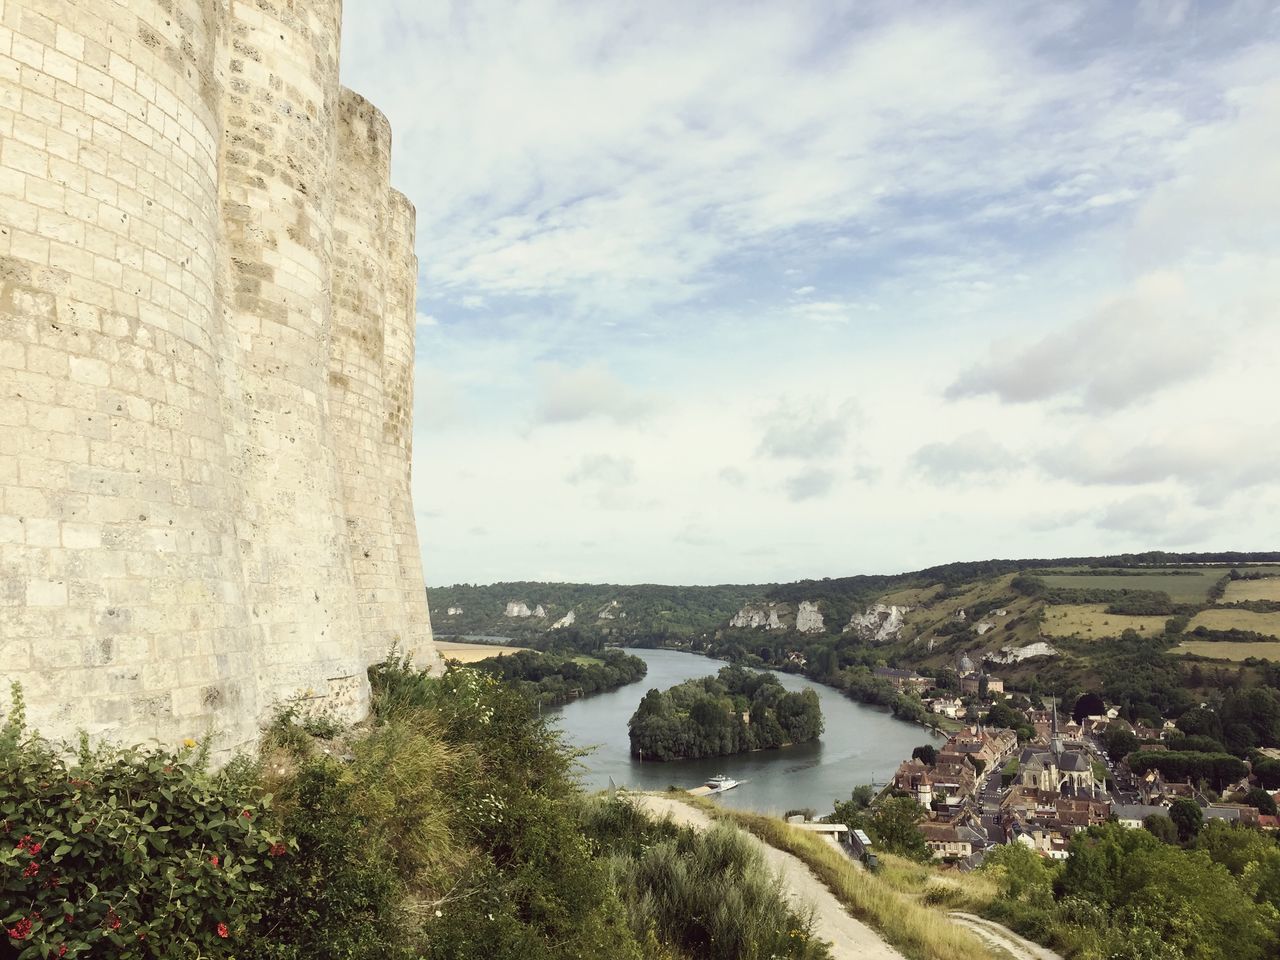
(554, 678)
(1219, 769)
(734, 711)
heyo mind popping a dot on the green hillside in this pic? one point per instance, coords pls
(1156, 629)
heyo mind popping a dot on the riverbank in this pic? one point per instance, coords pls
(859, 745)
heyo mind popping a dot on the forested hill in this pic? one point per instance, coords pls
(656, 613)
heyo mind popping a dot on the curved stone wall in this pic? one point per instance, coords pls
(177, 502)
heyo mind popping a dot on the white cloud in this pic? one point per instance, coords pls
(807, 429)
(809, 484)
(570, 394)
(970, 456)
(1133, 346)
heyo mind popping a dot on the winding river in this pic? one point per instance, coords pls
(861, 743)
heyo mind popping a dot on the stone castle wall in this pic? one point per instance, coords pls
(206, 347)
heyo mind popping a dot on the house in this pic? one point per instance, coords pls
(913, 777)
(1234, 812)
(951, 840)
(1029, 803)
(956, 780)
(972, 684)
(1043, 840)
(1002, 742)
(948, 707)
(905, 679)
(1268, 822)
(1075, 815)
(1132, 814)
(1146, 733)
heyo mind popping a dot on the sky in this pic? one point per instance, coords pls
(742, 291)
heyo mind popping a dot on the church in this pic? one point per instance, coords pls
(1057, 769)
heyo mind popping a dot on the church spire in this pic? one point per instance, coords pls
(1056, 743)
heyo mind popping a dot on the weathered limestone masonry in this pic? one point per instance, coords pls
(206, 355)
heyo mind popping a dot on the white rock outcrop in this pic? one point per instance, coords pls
(566, 621)
(1013, 654)
(516, 609)
(879, 623)
(984, 626)
(453, 612)
(809, 617)
(539, 611)
(756, 615)
(609, 611)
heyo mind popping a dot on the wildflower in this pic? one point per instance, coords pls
(67, 917)
(247, 815)
(20, 930)
(31, 869)
(214, 860)
(277, 850)
(188, 742)
(62, 950)
(223, 931)
(113, 919)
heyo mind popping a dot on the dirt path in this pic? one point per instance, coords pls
(1003, 938)
(850, 939)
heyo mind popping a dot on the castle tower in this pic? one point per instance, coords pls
(181, 513)
(123, 607)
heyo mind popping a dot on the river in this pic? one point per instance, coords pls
(860, 743)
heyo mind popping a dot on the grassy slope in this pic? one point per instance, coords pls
(884, 901)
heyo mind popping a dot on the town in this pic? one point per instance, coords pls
(1036, 773)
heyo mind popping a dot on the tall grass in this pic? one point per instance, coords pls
(709, 895)
(920, 932)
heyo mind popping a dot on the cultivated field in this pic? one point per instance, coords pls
(1089, 621)
(1224, 618)
(1185, 586)
(1237, 590)
(1265, 650)
(471, 652)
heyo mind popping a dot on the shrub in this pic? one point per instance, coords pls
(128, 852)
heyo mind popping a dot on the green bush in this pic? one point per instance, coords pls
(128, 852)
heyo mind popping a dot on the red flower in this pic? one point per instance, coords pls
(214, 860)
(247, 815)
(223, 931)
(31, 869)
(68, 917)
(62, 950)
(278, 850)
(20, 930)
(113, 920)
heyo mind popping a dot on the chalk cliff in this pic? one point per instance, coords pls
(879, 623)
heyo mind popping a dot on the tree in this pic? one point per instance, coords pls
(1161, 827)
(853, 812)
(1186, 816)
(1257, 797)
(1089, 705)
(1119, 742)
(927, 754)
(895, 825)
